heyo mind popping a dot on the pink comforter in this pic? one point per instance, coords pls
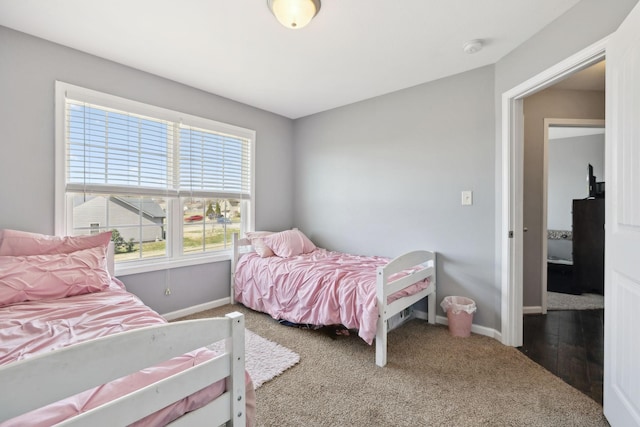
(318, 288)
(35, 327)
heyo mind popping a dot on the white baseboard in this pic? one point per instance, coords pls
(477, 329)
(196, 308)
(536, 309)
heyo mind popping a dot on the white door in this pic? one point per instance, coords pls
(622, 235)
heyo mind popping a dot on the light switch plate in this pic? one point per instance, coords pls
(467, 198)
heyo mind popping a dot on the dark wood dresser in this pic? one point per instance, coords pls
(588, 245)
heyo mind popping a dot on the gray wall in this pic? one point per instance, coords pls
(584, 24)
(549, 103)
(384, 176)
(28, 69)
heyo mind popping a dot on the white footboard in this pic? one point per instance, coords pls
(47, 378)
(384, 288)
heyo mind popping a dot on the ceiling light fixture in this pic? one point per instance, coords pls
(294, 14)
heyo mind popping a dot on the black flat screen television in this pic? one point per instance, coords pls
(596, 189)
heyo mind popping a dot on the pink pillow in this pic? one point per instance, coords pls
(258, 234)
(257, 241)
(18, 243)
(52, 276)
(289, 243)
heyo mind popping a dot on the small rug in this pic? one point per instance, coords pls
(561, 301)
(264, 359)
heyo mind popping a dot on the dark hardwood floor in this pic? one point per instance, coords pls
(569, 344)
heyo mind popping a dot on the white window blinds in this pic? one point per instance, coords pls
(214, 164)
(110, 151)
(113, 151)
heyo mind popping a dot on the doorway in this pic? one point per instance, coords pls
(558, 154)
(512, 224)
(555, 340)
(560, 339)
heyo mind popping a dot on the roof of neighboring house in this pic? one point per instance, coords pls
(147, 206)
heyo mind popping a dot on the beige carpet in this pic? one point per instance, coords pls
(432, 379)
(559, 301)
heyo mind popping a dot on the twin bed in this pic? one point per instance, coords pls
(285, 275)
(76, 348)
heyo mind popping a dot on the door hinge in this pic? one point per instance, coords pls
(511, 234)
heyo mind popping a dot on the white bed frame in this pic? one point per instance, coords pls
(40, 380)
(384, 288)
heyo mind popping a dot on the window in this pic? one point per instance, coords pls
(172, 187)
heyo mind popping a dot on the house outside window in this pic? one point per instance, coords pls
(172, 188)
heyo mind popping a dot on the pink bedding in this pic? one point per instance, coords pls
(34, 327)
(318, 288)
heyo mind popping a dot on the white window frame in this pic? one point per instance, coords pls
(174, 258)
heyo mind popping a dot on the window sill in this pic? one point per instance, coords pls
(168, 264)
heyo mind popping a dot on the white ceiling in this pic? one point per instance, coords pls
(352, 50)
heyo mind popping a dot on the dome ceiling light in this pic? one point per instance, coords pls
(294, 14)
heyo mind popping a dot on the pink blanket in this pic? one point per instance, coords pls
(318, 288)
(29, 328)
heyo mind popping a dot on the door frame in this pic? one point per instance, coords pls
(512, 160)
(552, 122)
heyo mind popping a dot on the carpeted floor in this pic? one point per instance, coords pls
(431, 379)
(561, 301)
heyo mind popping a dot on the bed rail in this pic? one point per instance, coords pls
(71, 370)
